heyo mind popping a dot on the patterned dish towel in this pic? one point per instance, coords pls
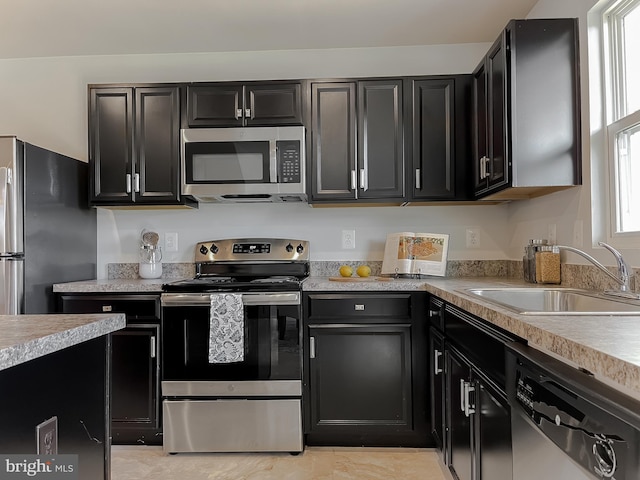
(226, 328)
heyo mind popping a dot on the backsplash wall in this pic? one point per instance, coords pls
(119, 230)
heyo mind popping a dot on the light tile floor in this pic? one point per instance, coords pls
(315, 463)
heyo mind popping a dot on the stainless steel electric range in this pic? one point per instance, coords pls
(231, 349)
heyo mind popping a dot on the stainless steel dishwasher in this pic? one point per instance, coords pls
(566, 424)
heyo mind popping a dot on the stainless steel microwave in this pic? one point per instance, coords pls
(251, 164)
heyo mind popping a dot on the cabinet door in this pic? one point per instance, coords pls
(480, 147)
(459, 423)
(111, 130)
(434, 166)
(360, 379)
(437, 387)
(493, 445)
(135, 372)
(216, 105)
(380, 139)
(497, 115)
(273, 104)
(333, 141)
(135, 386)
(157, 176)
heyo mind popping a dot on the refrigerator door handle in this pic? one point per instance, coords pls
(5, 178)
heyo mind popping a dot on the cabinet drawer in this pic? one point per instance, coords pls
(136, 307)
(387, 308)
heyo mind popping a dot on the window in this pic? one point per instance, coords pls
(621, 37)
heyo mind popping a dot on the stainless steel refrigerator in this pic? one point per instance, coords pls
(47, 230)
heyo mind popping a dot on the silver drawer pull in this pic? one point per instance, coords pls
(107, 308)
(358, 307)
(436, 355)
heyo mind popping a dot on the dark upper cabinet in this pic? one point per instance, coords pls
(134, 149)
(439, 138)
(244, 104)
(333, 141)
(526, 111)
(357, 141)
(380, 139)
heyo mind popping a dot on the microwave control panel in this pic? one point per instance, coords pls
(288, 161)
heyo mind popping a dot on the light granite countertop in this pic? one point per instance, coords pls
(26, 337)
(120, 285)
(607, 346)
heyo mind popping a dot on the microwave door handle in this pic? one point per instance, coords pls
(273, 161)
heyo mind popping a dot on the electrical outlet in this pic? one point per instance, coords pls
(171, 242)
(47, 437)
(473, 238)
(551, 234)
(348, 239)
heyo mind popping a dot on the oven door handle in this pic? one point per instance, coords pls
(248, 298)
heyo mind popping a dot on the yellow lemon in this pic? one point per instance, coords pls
(346, 271)
(363, 271)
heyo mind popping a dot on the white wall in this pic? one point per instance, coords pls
(44, 102)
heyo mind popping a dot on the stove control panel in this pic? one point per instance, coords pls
(251, 249)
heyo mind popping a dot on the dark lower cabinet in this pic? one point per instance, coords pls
(135, 363)
(471, 416)
(135, 414)
(365, 373)
(437, 387)
(461, 453)
(72, 385)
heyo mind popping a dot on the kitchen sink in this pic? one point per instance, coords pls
(556, 301)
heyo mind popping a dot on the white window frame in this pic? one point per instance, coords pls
(615, 118)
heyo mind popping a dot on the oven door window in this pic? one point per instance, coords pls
(271, 345)
(227, 162)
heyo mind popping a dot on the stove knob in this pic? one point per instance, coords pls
(214, 248)
(203, 250)
(300, 248)
(289, 248)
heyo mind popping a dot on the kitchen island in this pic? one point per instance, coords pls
(57, 367)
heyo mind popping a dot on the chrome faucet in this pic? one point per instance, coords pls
(624, 270)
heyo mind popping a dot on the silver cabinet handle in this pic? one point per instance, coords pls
(247, 113)
(363, 179)
(128, 182)
(136, 182)
(238, 113)
(153, 346)
(418, 179)
(436, 355)
(312, 347)
(354, 183)
(468, 409)
(484, 167)
(462, 394)
(359, 307)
